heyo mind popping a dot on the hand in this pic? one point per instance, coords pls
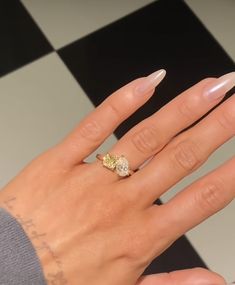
(88, 225)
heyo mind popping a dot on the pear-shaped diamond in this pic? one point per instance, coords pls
(122, 166)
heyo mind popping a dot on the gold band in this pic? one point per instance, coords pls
(118, 164)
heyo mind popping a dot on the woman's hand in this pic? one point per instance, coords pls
(88, 225)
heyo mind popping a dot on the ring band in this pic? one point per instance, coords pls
(118, 164)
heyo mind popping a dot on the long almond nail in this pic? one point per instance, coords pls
(150, 82)
(220, 86)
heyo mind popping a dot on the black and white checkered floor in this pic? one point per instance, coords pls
(59, 59)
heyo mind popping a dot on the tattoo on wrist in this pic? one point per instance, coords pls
(57, 278)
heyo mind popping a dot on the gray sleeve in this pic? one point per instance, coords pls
(19, 263)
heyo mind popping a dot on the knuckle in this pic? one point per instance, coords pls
(172, 277)
(187, 109)
(91, 131)
(186, 155)
(114, 110)
(227, 119)
(146, 140)
(200, 270)
(135, 252)
(210, 197)
(169, 277)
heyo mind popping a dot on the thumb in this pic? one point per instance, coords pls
(195, 276)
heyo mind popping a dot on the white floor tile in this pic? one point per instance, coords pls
(218, 17)
(39, 105)
(66, 21)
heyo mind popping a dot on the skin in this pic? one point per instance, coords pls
(89, 226)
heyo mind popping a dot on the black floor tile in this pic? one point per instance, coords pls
(21, 39)
(178, 256)
(165, 34)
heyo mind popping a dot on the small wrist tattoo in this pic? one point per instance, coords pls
(56, 278)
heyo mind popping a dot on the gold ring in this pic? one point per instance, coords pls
(118, 164)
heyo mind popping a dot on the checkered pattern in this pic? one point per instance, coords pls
(60, 59)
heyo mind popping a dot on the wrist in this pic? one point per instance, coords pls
(50, 262)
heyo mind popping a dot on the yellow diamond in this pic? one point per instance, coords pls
(110, 161)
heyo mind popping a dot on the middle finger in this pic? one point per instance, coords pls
(151, 135)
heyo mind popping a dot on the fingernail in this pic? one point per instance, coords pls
(220, 86)
(150, 82)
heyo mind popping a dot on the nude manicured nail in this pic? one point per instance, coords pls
(150, 82)
(220, 86)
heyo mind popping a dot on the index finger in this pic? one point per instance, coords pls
(100, 123)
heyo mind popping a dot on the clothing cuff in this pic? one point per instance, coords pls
(19, 262)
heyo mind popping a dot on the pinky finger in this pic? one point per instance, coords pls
(201, 199)
(195, 276)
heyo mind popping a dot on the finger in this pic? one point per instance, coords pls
(152, 134)
(200, 200)
(97, 126)
(185, 153)
(195, 276)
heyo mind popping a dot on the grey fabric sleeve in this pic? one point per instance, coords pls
(19, 263)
